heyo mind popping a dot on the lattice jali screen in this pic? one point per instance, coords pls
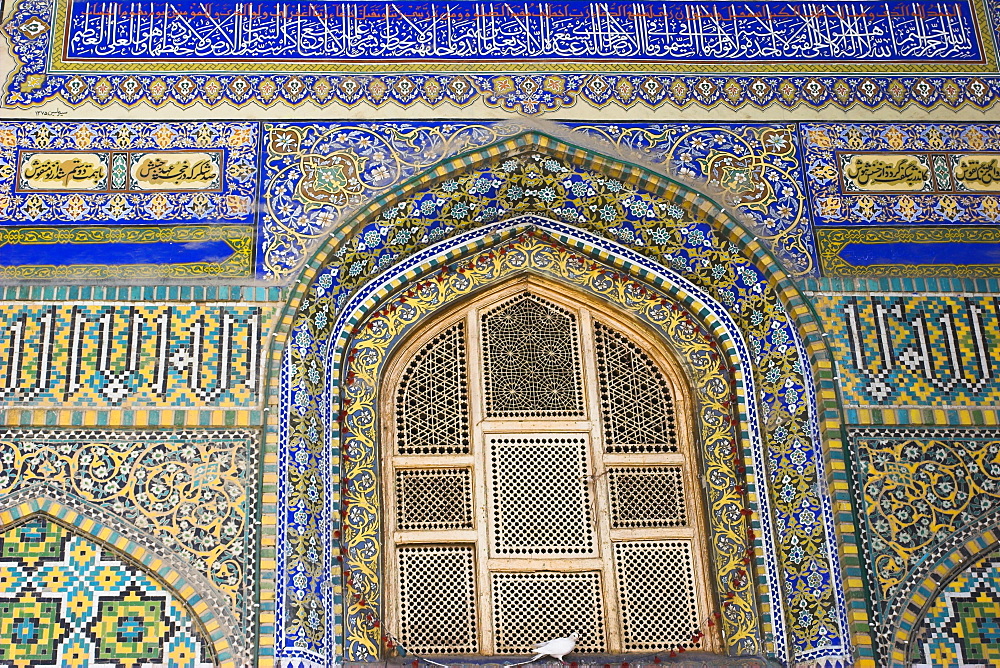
(531, 360)
(534, 607)
(432, 403)
(646, 497)
(636, 404)
(437, 596)
(433, 499)
(540, 502)
(656, 590)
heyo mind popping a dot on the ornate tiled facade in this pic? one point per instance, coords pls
(625, 218)
(219, 223)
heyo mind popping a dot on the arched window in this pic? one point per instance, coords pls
(541, 479)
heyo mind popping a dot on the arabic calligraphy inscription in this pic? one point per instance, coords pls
(721, 30)
(58, 171)
(132, 171)
(919, 172)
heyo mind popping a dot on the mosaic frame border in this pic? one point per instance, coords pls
(383, 296)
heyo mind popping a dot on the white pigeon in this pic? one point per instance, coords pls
(557, 648)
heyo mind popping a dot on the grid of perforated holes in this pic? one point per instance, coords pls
(636, 405)
(657, 594)
(646, 497)
(531, 360)
(541, 502)
(437, 598)
(432, 403)
(433, 499)
(534, 607)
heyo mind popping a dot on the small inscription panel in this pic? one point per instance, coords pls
(119, 171)
(882, 172)
(977, 172)
(59, 171)
(182, 170)
(919, 172)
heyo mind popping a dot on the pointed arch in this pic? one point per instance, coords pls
(961, 551)
(697, 238)
(190, 588)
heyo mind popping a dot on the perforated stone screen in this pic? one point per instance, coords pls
(529, 607)
(531, 360)
(437, 599)
(656, 590)
(432, 402)
(646, 496)
(434, 499)
(636, 406)
(542, 485)
(540, 501)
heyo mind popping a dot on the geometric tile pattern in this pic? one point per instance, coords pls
(961, 627)
(130, 355)
(903, 350)
(192, 490)
(66, 601)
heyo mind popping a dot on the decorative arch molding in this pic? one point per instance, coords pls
(670, 230)
(529, 252)
(103, 529)
(961, 550)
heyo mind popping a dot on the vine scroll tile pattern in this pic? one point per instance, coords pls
(668, 234)
(63, 51)
(916, 488)
(192, 491)
(67, 601)
(314, 173)
(928, 350)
